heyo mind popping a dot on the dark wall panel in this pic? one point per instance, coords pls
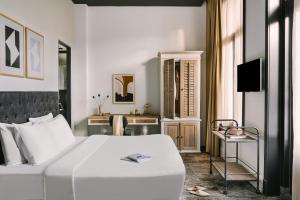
(278, 146)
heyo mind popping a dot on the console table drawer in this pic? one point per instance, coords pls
(132, 120)
(146, 121)
(98, 121)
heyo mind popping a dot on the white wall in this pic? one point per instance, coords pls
(104, 41)
(255, 101)
(79, 70)
(128, 39)
(54, 20)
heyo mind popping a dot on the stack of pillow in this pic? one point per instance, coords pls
(36, 141)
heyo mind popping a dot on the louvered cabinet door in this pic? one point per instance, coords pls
(193, 90)
(188, 96)
(166, 88)
(169, 87)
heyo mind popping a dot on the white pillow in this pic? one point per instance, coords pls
(11, 153)
(38, 143)
(41, 119)
(42, 141)
(61, 131)
(18, 139)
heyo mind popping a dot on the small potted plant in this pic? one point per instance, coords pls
(100, 102)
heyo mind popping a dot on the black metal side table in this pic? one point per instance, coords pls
(233, 168)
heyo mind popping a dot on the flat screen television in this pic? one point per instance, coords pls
(249, 76)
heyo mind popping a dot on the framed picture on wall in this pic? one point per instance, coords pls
(123, 88)
(11, 47)
(34, 55)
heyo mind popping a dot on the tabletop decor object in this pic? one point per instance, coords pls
(100, 103)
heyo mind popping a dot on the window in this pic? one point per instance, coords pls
(232, 38)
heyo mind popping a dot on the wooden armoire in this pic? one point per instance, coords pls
(180, 98)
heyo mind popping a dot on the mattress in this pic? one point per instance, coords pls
(95, 170)
(26, 182)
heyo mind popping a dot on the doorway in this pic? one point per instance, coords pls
(64, 80)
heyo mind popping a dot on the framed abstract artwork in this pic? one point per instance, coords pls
(123, 88)
(11, 47)
(34, 55)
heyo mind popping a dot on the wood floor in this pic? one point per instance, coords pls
(197, 169)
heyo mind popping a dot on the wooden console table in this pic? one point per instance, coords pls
(132, 120)
(137, 125)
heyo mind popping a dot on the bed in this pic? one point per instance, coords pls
(25, 181)
(93, 167)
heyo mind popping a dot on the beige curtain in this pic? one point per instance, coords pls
(296, 101)
(232, 51)
(213, 66)
(224, 53)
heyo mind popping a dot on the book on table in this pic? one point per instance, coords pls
(243, 136)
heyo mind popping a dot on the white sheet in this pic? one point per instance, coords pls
(94, 170)
(26, 182)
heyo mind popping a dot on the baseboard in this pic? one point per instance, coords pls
(253, 183)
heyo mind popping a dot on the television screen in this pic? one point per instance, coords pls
(249, 76)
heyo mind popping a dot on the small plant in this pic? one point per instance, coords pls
(100, 102)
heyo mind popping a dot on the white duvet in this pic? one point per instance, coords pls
(94, 170)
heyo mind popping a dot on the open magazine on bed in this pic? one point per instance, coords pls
(137, 157)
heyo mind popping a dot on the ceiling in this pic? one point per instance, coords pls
(194, 3)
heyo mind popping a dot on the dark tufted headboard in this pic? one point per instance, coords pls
(17, 107)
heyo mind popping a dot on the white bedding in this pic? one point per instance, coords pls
(94, 170)
(26, 182)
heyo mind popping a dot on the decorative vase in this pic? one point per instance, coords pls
(99, 110)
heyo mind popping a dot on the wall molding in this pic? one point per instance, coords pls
(184, 3)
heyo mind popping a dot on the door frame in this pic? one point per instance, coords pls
(68, 52)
